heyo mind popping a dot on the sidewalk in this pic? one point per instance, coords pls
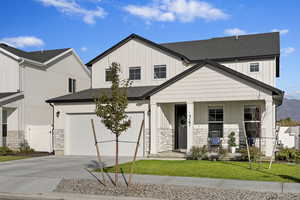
(257, 186)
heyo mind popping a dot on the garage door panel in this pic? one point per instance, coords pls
(80, 141)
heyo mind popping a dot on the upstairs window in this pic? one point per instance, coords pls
(160, 71)
(254, 67)
(72, 85)
(215, 122)
(108, 74)
(134, 73)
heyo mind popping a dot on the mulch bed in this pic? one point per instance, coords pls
(32, 154)
(161, 191)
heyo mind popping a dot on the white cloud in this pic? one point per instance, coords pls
(288, 50)
(235, 31)
(83, 49)
(173, 10)
(72, 8)
(281, 31)
(23, 41)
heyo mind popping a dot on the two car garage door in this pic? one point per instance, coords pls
(79, 138)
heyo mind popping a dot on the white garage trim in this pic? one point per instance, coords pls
(77, 143)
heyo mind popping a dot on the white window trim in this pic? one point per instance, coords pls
(255, 72)
(159, 79)
(136, 80)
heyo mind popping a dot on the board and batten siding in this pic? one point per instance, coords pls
(42, 84)
(210, 84)
(136, 54)
(9, 74)
(267, 69)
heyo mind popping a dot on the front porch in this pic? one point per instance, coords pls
(181, 125)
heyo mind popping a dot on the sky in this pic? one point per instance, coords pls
(92, 26)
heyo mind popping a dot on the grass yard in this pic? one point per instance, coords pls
(218, 169)
(8, 158)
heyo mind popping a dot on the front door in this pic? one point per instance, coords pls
(180, 127)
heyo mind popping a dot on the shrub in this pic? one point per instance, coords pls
(25, 148)
(5, 150)
(231, 139)
(223, 153)
(288, 154)
(255, 153)
(198, 153)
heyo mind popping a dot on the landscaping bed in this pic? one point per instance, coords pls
(9, 158)
(160, 191)
(216, 169)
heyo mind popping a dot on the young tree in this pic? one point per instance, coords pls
(111, 108)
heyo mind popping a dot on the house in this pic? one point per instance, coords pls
(289, 137)
(27, 79)
(188, 93)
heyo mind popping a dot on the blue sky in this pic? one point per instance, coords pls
(92, 26)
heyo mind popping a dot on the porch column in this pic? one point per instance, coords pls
(153, 128)
(268, 125)
(190, 124)
(1, 136)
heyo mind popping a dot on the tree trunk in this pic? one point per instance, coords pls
(117, 159)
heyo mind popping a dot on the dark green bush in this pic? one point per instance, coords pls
(5, 150)
(199, 153)
(288, 154)
(25, 148)
(255, 154)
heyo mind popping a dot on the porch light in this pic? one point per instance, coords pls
(57, 114)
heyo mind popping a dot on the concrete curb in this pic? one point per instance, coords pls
(63, 196)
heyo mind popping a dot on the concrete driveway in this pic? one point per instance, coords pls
(42, 174)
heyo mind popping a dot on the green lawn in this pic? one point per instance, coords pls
(218, 169)
(8, 158)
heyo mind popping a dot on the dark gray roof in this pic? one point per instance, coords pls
(7, 94)
(89, 95)
(254, 45)
(39, 56)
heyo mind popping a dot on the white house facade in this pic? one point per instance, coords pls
(191, 93)
(27, 79)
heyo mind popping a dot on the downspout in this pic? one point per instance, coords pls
(52, 127)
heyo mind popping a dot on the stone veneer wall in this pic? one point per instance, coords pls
(14, 138)
(59, 141)
(166, 139)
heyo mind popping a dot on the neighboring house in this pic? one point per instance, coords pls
(189, 93)
(289, 136)
(27, 79)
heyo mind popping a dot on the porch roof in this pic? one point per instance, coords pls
(277, 93)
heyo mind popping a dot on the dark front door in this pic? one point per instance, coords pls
(180, 127)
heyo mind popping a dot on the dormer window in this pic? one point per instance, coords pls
(160, 71)
(107, 74)
(134, 73)
(72, 85)
(254, 67)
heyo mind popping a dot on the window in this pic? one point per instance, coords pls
(107, 74)
(160, 71)
(252, 123)
(72, 85)
(254, 67)
(134, 73)
(215, 121)
(4, 123)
